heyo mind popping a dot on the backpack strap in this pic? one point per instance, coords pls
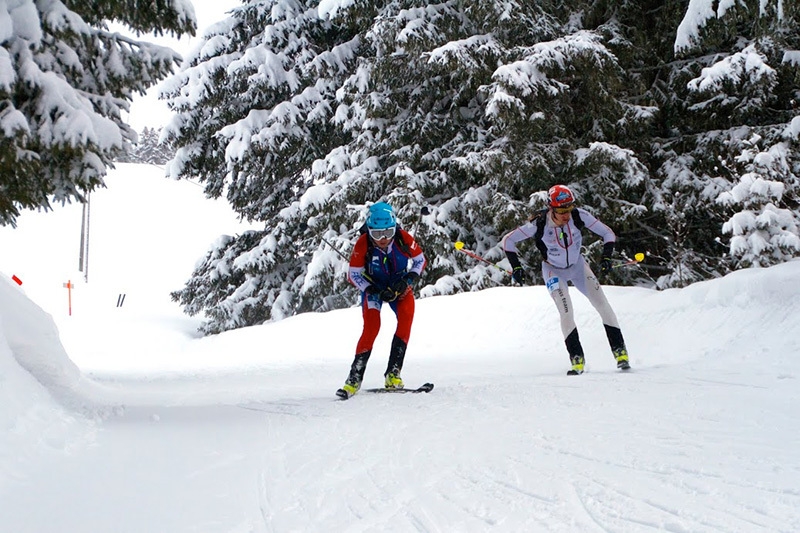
(576, 218)
(540, 219)
(363, 230)
(401, 243)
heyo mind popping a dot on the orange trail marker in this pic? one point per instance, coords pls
(68, 285)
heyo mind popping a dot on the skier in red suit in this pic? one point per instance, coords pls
(385, 263)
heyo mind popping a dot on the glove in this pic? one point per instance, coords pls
(400, 287)
(411, 279)
(518, 274)
(606, 265)
(388, 295)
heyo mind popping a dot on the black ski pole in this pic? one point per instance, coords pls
(335, 249)
(347, 259)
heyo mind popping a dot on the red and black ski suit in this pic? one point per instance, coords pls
(373, 270)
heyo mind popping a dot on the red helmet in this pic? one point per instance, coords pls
(560, 196)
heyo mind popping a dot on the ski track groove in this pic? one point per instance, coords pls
(404, 495)
(293, 409)
(705, 381)
(468, 510)
(590, 515)
(267, 504)
(533, 507)
(417, 523)
(520, 490)
(629, 503)
(264, 503)
(674, 513)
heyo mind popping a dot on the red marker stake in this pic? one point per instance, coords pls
(69, 286)
(16, 280)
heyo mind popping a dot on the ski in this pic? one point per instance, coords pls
(342, 394)
(427, 387)
(623, 366)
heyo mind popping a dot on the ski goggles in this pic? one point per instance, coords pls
(564, 210)
(378, 234)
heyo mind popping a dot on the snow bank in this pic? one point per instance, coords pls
(29, 344)
(40, 389)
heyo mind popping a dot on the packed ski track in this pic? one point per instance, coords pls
(535, 454)
(530, 451)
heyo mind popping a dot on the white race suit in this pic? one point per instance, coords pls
(563, 263)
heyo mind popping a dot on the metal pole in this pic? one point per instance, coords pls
(88, 214)
(83, 239)
(83, 257)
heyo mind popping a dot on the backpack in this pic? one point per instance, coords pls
(540, 218)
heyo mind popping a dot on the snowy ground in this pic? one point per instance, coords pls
(124, 420)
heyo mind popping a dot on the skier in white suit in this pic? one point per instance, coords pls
(557, 233)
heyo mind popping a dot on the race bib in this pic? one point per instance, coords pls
(552, 284)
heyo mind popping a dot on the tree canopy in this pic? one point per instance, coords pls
(675, 124)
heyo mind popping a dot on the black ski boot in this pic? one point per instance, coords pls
(575, 351)
(617, 344)
(356, 376)
(397, 355)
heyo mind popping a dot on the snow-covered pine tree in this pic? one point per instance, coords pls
(150, 149)
(64, 81)
(303, 113)
(765, 229)
(255, 109)
(733, 90)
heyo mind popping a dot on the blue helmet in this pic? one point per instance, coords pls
(381, 216)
